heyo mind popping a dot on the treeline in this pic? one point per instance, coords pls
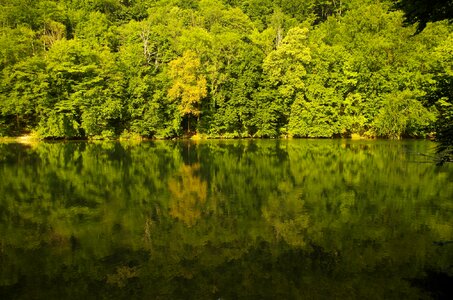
(231, 68)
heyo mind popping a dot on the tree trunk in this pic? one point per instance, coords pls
(188, 124)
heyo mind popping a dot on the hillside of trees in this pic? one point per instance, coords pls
(221, 68)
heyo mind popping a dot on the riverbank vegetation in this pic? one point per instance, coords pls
(232, 68)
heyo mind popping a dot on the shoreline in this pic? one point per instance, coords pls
(27, 139)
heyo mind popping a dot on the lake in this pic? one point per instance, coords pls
(248, 219)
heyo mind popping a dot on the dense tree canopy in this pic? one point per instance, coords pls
(242, 68)
(421, 12)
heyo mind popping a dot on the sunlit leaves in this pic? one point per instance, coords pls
(229, 68)
(189, 83)
(286, 66)
(17, 44)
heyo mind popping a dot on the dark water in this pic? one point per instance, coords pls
(297, 219)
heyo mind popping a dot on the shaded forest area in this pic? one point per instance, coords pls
(233, 68)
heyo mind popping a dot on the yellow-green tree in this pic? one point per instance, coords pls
(188, 85)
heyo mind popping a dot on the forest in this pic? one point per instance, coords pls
(107, 69)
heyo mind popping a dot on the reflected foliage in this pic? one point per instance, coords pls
(267, 219)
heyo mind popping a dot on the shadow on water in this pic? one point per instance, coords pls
(439, 285)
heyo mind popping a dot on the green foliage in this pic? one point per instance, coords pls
(315, 114)
(246, 68)
(402, 115)
(440, 93)
(188, 83)
(16, 44)
(285, 67)
(59, 125)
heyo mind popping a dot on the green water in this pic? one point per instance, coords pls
(296, 219)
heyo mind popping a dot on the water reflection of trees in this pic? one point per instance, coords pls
(234, 219)
(188, 194)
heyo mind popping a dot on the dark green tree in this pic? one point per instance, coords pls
(421, 12)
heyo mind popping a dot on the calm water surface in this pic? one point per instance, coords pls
(297, 219)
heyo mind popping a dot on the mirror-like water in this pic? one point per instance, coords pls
(296, 219)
